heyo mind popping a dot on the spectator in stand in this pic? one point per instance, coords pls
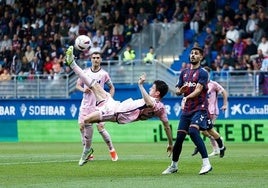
(117, 39)
(257, 34)
(137, 27)
(99, 37)
(105, 7)
(264, 65)
(251, 48)
(25, 65)
(160, 14)
(185, 17)
(95, 46)
(131, 13)
(16, 43)
(29, 53)
(232, 35)
(228, 12)
(5, 76)
(210, 38)
(238, 49)
(6, 43)
(37, 65)
(207, 61)
(219, 28)
(242, 9)
(227, 22)
(73, 30)
(263, 21)
(218, 63)
(252, 21)
(15, 65)
(198, 20)
(226, 47)
(109, 22)
(228, 61)
(263, 46)
(128, 30)
(257, 60)
(97, 18)
(89, 19)
(241, 23)
(150, 56)
(108, 52)
(128, 55)
(118, 18)
(142, 15)
(48, 64)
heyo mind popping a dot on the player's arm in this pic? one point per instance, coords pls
(148, 100)
(79, 86)
(196, 92)
(225, 99)
(111, 87)
(169, 137)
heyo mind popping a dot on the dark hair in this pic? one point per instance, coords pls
(96, 53)
(162, 87)
(199, 49)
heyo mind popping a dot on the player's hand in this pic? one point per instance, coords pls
(169, 150)
(87, 90)
(224, 107)
(183, 89)
(142, 79)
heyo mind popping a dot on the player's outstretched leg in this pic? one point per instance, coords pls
(69, 61)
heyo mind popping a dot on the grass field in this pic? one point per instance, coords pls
(140, 165)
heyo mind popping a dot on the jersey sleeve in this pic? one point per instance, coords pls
(203, 77)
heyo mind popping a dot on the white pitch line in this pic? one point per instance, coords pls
(36, 162)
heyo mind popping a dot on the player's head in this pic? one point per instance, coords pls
(196, 55)
(161, 87)
(96, 58)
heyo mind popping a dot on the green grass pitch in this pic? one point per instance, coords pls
(140, 165)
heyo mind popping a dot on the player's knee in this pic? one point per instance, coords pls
(193, 130)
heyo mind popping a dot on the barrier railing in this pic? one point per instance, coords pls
(237, 83)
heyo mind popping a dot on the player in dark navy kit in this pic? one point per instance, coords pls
(193, 85)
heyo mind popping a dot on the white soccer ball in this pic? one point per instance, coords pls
(82, 43)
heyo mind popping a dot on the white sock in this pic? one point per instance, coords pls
(206, 161)
(174, 164)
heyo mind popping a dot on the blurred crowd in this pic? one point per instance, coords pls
(34, 34)
(237, 38)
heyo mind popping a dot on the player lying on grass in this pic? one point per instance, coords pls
(127, 111)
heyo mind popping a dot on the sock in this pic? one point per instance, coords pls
(178, 146)
(174, 164)
(213, 143)
(82, 136)
(107, 138)
(84, 77)
(88, 132)
(197, 140)
(205, 161)
(219, 142)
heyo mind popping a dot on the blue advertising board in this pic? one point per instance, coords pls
(238, 108)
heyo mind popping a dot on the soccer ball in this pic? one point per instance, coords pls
(82, 43)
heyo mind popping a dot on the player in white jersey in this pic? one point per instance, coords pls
(88, 105)
(214, 88)
(130, 110)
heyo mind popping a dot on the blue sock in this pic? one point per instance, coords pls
(197, 140)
